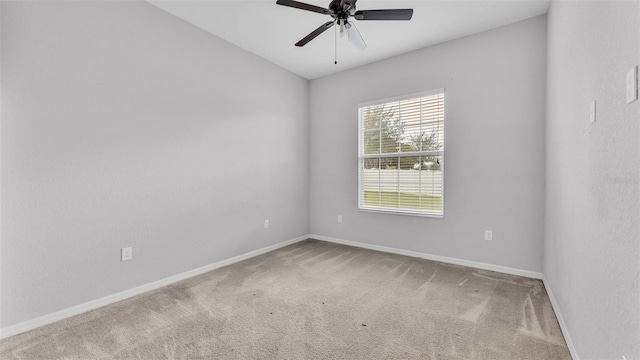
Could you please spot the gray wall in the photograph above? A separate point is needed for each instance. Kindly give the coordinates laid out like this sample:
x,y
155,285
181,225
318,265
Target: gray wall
x,y
592,237
123,125
494,147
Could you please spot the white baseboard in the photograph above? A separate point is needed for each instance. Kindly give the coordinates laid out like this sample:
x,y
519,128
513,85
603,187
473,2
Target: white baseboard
x,y
444,259
94,304
563,325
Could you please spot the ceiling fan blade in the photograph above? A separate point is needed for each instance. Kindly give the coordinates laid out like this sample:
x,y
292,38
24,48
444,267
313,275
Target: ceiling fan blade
x,y
390,14
324,27
354,36
303,6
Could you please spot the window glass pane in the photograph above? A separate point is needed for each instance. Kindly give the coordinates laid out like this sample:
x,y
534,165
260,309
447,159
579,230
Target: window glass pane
x,y
385,119
432,130
429,140
409,188
389,183
411,124
431,183
389,163
373,115
409,162
371,182
371,141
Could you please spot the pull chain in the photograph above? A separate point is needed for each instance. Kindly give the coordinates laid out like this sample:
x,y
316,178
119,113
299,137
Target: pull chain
x,y
335,45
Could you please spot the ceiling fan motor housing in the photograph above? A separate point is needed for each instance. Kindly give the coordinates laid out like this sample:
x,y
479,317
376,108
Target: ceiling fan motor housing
x,y
342,9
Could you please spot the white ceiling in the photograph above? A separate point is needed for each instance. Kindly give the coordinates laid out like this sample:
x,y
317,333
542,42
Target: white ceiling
x,y
270,31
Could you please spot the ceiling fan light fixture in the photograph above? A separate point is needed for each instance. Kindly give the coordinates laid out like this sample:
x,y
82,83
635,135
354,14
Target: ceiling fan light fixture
x,y
354,37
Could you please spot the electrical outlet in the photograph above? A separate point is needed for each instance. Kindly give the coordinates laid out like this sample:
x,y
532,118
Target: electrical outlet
x,y
339,218
126,253
266,224
488,235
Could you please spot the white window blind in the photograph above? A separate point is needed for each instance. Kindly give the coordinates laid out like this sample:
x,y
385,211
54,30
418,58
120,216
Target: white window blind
x,y
401,154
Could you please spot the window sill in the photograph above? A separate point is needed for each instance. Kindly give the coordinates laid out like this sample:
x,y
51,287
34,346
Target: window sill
x,y
399,212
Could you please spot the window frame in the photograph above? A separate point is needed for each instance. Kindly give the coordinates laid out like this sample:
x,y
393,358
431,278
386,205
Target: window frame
x,y
362,157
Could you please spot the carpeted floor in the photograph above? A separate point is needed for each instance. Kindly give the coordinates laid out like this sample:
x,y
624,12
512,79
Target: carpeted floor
x,y
315,300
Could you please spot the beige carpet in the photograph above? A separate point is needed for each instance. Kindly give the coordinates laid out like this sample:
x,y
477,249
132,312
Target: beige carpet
x,y
315,300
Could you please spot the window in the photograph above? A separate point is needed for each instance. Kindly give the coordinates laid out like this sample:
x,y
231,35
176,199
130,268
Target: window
x,y
401,153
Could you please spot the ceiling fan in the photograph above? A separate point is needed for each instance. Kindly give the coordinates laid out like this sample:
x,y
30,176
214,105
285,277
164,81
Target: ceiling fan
x,y
341,11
